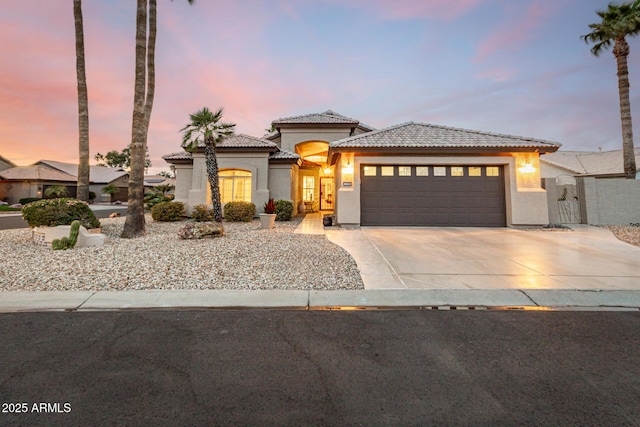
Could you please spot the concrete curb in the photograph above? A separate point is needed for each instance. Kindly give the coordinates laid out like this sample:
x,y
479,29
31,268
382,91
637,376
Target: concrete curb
x,y
313,300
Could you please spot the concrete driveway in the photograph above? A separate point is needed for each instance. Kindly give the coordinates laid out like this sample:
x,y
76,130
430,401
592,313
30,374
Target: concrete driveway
x,y
587,258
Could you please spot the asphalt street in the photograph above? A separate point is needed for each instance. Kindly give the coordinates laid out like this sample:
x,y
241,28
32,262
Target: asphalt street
x,y
278,367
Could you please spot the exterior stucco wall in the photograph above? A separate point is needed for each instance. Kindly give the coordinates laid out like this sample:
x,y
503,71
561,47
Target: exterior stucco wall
x,y
525,205
280,179
256,163
13,191
612,201
552,171
291,137
184,178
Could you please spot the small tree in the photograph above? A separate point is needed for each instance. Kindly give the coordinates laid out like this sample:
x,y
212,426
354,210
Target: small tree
x,y
56,191
111,190
206,129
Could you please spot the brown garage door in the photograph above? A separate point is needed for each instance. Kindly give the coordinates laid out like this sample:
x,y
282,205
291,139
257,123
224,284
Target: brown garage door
x,y
459,196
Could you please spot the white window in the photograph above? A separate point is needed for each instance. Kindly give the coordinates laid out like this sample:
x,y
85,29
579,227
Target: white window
x,y
370,171
404,170
439,171
422,170
493,171
235,186
475,171
457,171
308,188
386,170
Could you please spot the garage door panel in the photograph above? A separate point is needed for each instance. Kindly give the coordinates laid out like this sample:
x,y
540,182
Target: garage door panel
x,y
434,200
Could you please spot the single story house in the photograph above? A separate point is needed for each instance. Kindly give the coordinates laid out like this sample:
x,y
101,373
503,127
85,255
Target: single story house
x,y
32,181
411,174
6,163
590,188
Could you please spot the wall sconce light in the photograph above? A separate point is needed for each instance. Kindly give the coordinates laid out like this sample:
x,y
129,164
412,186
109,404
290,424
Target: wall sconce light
x,y
327,171
527,168
347,170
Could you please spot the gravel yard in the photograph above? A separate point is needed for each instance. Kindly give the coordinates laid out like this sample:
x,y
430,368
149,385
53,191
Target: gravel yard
x,y
627,234
246,257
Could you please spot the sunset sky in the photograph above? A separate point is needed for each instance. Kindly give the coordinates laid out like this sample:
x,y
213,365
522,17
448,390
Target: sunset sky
x,y
514,67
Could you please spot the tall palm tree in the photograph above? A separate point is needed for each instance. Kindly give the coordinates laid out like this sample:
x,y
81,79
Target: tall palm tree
x,y
83,106
144,90
206,129
618,22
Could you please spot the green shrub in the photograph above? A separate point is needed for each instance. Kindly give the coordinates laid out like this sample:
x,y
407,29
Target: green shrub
x,y
52,212
92,196
284,210
29,200
168,211
202,213
239,211
158,194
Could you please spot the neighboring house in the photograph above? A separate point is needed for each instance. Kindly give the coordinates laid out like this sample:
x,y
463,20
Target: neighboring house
x,y
99,177
6,163
409,174
151,181
602,164
32,181
590,188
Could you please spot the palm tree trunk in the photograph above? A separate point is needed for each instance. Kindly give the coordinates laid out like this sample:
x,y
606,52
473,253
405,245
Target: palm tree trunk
x,y
621,51
83,106
134,223
214,182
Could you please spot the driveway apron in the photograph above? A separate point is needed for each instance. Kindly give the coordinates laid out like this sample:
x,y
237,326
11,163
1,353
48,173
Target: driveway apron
x,y
586,258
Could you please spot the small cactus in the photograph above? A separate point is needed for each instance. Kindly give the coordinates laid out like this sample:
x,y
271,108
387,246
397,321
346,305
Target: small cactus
x,y
68,242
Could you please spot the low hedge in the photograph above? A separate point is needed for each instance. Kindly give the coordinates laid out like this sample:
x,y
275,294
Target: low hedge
x,y
239,211
202,213
284,210
53,212
168,211
27,200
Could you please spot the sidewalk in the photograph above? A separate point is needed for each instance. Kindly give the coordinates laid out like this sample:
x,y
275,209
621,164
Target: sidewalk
x,y
440,299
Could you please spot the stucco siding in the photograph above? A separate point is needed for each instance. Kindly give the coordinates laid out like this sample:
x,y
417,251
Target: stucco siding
x,y
291,137
612,201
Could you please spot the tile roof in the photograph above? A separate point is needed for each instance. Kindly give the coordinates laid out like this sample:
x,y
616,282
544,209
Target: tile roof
x,y
590,163
327,117
97,174
36,172
154,180
284,154
423,135
241,141
182,155
565,159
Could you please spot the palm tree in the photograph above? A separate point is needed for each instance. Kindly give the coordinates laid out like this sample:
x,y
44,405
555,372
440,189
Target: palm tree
x,y
144,90
618,22
206,129
83,106
56,191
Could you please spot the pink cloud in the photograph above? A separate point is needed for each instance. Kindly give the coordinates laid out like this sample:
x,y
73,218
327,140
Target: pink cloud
x,y
515,32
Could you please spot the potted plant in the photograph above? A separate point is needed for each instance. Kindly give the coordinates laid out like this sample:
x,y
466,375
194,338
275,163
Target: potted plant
x,y
268,218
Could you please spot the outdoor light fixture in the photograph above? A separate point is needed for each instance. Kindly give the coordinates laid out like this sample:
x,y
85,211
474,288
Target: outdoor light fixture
x,y
347,170
327,171
527,168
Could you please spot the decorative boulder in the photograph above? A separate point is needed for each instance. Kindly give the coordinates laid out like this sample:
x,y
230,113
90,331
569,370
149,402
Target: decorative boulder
x,y
16,206
3,203
45,235
201,230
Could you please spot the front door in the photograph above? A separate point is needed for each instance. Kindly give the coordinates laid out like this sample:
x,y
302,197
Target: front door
x,y
326,194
